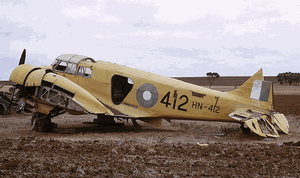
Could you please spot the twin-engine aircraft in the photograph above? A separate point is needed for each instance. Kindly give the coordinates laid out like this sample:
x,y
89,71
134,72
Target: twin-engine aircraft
x,y
79,85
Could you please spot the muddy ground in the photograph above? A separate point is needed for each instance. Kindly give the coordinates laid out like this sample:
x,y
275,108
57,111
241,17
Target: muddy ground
x,y
179,149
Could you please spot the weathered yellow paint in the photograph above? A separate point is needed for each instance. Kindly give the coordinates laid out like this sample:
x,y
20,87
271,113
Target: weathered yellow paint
x,y
242,114
19,74
43,108
281,122
35,78
99,85
82,97
152,97
199,99
267,130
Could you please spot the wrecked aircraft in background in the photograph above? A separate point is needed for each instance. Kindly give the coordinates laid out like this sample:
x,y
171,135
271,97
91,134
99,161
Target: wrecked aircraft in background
x,y
9,104
4,102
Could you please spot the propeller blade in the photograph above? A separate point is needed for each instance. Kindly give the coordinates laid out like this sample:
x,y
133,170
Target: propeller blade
x,y
22,59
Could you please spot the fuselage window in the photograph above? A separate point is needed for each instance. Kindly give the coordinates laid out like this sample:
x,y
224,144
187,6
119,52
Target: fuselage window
x,y
120,87
60,66
71,68
85,72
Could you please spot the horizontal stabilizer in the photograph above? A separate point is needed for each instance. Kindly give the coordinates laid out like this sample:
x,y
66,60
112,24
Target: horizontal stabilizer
x,y
262,127
280,121
261,123
244,114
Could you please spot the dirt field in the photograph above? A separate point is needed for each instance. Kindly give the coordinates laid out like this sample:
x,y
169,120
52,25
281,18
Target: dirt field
x,y
179,149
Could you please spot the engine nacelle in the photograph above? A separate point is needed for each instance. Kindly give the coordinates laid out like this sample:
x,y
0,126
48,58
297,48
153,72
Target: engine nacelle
x,y
49,90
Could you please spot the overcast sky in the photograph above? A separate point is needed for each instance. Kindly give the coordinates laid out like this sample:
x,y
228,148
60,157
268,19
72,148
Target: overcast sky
x,y
170,38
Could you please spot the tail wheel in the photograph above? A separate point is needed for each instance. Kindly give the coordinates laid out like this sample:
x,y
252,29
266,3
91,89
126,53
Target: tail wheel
x,y
41,122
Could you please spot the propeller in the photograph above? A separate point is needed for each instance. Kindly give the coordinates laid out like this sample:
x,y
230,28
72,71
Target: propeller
x,y
23,56
22,61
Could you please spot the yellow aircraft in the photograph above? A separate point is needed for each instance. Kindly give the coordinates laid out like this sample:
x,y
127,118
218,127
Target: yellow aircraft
x,y
79,85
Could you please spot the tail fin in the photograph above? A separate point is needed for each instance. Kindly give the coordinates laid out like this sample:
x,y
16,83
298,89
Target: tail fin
x,y
262,120
258,89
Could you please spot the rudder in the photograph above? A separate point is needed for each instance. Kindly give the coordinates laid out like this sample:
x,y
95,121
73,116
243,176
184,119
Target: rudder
x,y
256,88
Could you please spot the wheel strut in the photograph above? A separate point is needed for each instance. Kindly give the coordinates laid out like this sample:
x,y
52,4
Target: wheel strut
x,y
42,122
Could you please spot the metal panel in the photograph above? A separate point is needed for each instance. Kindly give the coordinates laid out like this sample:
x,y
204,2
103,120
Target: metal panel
x,y
74,58
77,58
19,74
82,97
265,91
260,90
35,78
65,57
256,88
280,121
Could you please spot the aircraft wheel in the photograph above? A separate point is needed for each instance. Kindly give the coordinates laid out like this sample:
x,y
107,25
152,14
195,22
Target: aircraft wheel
x,y
41,122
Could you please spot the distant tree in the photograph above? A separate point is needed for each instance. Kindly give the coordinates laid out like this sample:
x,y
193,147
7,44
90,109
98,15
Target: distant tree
x,y
280,78
289,77
211,77
297,78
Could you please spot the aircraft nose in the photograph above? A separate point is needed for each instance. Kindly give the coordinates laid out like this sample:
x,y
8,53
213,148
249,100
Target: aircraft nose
x,y
51,90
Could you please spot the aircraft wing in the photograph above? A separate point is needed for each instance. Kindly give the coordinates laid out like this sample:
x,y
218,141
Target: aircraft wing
x,y
262,124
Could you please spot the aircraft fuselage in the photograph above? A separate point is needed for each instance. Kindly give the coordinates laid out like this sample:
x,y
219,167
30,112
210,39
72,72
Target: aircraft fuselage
x,y
143,94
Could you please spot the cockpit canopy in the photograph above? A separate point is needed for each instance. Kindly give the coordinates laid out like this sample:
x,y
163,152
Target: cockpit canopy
x,y
68,63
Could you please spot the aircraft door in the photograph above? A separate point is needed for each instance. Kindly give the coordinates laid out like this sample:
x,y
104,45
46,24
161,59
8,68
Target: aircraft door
x,y
120,87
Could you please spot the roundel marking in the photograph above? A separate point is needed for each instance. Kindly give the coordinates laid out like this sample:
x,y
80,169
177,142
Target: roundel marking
x,y
147,95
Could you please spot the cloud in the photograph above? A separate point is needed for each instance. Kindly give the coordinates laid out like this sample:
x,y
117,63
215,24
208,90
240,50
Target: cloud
x,y
93,13
251,26
182,12
165,37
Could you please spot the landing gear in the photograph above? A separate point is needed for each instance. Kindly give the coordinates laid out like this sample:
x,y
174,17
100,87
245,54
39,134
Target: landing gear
x,y
42,122
245,130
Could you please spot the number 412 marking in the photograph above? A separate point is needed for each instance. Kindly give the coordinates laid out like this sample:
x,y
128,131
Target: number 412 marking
x,y
166,100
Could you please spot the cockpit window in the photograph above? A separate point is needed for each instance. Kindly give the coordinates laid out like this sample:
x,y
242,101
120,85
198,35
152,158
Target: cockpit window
x,y
71,68
84,72
68,63
60,66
